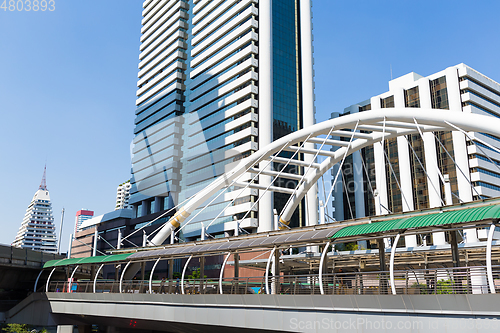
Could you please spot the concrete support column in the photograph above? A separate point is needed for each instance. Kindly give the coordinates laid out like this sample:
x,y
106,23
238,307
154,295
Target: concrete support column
x,y
430,153
431,163
158,201
236,258
454,249
170,276
383,267
143,271
276,272
144,208
380,176
455,256
65,329
405,178
359,194
321,212
265,107
460,147
202,274
459,144
380,189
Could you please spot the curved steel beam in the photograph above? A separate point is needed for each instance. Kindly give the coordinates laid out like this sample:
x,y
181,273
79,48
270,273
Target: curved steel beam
x,y
184,273
489,269
267,269
222,272
321,264
74,271
48,280
122,275
96,275
151,276
71,278
36,281
400,121
391,265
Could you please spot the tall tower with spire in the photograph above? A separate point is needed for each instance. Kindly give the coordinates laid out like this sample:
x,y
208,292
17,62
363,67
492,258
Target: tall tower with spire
x,y
37,231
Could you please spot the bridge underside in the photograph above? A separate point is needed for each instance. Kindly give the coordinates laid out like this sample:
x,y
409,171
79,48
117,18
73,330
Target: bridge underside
x,y
252,313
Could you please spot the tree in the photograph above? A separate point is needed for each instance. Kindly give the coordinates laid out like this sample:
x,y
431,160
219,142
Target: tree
x,y
196,274
22,328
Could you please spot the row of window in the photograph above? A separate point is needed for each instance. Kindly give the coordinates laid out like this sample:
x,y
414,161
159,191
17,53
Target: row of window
x,y
490,186
439,97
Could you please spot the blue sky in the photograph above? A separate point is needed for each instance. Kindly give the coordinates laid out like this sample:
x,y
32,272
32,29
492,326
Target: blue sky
x,y
68,82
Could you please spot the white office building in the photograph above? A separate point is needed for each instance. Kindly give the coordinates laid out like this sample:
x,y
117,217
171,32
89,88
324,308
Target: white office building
x,y
370,185
37,231
217,80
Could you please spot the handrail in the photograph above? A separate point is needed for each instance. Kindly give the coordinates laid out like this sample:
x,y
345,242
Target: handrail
x,y
461,280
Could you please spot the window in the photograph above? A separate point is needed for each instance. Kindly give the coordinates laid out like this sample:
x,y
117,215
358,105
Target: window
x,y
412,98
365,108
139,210
439,93
387,102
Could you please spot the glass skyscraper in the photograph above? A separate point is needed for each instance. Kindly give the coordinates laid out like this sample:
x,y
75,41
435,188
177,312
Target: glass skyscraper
x,y
217,80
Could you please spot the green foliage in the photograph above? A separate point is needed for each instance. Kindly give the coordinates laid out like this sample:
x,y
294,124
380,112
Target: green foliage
x,y
22,328
196,274
422,287
443,287
176,275
351,246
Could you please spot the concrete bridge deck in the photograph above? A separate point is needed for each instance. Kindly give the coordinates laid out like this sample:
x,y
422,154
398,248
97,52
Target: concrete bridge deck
x,y
261,313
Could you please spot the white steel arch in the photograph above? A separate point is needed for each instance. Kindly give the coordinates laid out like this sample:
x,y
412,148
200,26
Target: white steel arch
x,y
363,129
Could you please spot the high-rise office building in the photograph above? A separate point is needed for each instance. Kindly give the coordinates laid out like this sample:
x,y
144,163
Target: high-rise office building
x,y
403,185
37,231
82,215
123,195
217,80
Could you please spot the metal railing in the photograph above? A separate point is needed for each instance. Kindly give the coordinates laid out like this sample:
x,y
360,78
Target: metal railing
x,y
463,280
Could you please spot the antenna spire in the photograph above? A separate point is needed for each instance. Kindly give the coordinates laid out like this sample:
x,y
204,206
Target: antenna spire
x,y
43,184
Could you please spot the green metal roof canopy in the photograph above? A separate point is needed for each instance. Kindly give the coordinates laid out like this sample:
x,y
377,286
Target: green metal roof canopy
x,y
421,221
87,260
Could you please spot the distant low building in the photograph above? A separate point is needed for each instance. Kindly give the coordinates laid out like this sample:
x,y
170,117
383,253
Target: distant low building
x,y
37,231
81,216
123,195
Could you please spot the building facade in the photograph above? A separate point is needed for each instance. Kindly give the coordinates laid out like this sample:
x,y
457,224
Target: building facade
x,y
421,166
82,215
123,195
37,231
218,80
